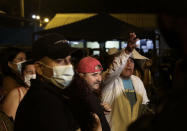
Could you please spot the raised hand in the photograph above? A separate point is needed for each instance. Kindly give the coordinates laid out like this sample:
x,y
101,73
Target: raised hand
x,y
131,43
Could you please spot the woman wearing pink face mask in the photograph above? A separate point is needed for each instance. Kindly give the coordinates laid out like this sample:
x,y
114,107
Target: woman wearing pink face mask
x,y
14,97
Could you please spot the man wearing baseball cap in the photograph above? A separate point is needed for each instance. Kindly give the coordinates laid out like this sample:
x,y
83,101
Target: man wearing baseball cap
x,y
90,69
84,96
45,108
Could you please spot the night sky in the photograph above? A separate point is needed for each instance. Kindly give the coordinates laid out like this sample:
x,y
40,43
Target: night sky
x,y
51,7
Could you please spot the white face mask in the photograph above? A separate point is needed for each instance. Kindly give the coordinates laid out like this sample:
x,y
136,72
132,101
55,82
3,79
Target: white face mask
x,y
63,74
19,66
27,79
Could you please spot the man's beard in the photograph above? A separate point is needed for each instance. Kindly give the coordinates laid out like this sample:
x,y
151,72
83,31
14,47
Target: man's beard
x,y
98,90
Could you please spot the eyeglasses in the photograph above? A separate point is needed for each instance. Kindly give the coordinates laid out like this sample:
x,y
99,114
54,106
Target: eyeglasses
x,y
19,59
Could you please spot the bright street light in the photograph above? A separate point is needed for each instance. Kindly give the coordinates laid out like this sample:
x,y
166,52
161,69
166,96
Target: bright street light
x,y
37,17
34,16
46,20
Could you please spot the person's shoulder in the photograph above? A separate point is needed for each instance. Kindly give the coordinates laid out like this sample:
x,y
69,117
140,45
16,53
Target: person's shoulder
x,y
43,92
14,92
135,77
23,90
12,96
8,79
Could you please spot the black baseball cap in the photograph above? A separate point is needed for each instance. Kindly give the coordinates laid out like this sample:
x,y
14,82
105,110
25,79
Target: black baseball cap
x,y
52,45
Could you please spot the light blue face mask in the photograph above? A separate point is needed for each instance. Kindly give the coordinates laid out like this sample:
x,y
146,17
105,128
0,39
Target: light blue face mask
x,y
19,66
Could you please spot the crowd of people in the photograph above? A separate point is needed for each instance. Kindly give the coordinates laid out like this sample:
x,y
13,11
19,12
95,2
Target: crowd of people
x,y
53,91
58,87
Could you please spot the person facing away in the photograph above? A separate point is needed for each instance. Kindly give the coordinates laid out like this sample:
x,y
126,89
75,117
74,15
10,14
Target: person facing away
x,y
45,105
12,58
85,100
14,97
124,92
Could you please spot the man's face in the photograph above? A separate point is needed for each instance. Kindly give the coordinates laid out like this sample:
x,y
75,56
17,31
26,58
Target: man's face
x,y
129,68
47,65
93,80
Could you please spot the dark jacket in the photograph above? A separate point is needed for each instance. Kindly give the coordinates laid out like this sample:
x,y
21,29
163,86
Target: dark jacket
x,y
84,103
44,108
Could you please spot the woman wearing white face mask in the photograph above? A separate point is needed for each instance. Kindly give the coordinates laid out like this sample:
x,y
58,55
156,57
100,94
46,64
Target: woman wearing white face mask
x,y
28,72
11,64
14,97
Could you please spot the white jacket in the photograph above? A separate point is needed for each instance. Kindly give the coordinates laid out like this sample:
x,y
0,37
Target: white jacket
x,y
114,94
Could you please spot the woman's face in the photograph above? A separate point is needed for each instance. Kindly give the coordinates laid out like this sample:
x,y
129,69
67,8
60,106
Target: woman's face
x,y
29,73
29,70
20,57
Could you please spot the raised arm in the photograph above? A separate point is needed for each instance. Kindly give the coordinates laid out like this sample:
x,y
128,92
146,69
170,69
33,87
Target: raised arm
x,y
119,61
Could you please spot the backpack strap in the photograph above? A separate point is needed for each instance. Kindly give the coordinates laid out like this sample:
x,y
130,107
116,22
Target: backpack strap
x,y
20,92
5,123
4,126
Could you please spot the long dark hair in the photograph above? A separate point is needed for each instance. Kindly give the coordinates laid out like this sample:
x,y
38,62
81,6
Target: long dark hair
x,y
8,55
79,93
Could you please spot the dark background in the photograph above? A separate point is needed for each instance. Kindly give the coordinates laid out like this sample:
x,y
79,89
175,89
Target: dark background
x,y
49,7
